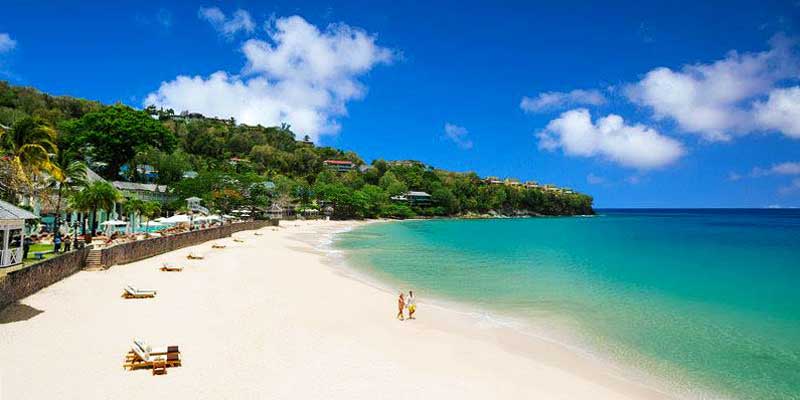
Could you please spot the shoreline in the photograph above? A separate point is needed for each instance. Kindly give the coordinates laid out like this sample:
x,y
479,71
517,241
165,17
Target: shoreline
x,y
268,318
516,331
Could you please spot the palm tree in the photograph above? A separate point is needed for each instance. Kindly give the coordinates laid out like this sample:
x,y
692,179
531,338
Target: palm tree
x,y
65,177
26,150
151,209
98,195
30,143
133,206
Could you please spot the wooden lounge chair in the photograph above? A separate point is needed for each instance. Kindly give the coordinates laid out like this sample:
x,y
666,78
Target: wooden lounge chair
x,y
131,292
159,358
193,256
217,246
167,267
258,234
237,240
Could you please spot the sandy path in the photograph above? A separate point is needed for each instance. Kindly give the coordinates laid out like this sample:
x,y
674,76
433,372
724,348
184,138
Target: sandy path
x,y
268,319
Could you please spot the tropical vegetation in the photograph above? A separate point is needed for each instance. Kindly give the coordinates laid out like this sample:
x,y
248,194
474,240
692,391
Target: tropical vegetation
x,y
233,166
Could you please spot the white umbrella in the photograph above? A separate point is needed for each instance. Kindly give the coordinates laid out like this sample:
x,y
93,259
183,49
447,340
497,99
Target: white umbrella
x,y
114,222
176,219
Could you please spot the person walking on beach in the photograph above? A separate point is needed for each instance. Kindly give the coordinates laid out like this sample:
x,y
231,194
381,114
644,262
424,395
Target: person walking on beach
x,y
67,244
26,246
411,304
56,243
401,304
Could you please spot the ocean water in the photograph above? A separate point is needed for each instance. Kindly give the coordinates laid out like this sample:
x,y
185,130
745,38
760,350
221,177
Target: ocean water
x,y
706,300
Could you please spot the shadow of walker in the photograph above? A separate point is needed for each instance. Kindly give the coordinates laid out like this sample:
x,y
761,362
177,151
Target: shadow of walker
x,y
18,312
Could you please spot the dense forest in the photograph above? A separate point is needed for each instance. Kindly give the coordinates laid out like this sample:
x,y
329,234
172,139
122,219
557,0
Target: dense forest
x,y
231,163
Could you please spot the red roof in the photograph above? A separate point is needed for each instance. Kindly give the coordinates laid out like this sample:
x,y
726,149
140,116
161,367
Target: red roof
x,y
338,162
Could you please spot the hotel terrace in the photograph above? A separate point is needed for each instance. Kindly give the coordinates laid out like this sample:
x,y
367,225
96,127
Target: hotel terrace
x,y
339,165
493,180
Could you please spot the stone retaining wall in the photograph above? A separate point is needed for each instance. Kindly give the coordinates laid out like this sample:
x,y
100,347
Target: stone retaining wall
x,y
141,249
25,282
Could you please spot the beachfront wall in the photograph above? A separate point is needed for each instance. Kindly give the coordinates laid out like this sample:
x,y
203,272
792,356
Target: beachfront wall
x,y
133,251
25,282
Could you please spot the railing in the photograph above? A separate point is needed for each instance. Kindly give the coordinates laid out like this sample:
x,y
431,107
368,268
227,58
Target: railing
x,y
196,208
10,257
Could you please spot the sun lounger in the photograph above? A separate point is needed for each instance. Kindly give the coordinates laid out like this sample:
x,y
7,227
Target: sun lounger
x,y
217,246
193,256
142,355
258,234
167,267
237,240
134,293
156,351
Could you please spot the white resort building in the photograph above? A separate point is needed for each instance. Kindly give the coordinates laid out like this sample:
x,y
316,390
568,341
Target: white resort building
x,y
144,191
339,165
12,232
413,198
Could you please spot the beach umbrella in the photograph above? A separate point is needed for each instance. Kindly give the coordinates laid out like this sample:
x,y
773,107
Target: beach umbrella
x,y
114,222
176,219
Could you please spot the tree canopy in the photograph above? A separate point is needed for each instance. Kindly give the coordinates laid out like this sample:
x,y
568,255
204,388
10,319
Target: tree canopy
x,y
112,136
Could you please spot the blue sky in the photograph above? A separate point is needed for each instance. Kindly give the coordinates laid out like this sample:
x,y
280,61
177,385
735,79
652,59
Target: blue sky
x,y
663,105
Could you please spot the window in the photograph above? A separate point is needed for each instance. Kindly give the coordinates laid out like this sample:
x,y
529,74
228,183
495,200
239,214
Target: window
x,y
2,239
15,238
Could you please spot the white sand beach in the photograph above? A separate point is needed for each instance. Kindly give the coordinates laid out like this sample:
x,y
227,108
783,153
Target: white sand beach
x,y
268,319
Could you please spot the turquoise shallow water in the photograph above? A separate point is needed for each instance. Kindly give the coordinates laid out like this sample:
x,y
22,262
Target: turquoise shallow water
x,y
706,299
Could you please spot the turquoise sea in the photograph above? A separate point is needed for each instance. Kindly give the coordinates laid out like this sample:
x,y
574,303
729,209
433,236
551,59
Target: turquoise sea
x,y
706,300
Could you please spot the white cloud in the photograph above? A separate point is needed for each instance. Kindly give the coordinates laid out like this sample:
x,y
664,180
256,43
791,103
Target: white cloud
x,y
786,168
781,112
634,179
299,75
630,145
717,100
793,186
240,21
6,43
458,134
554,100
593,179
